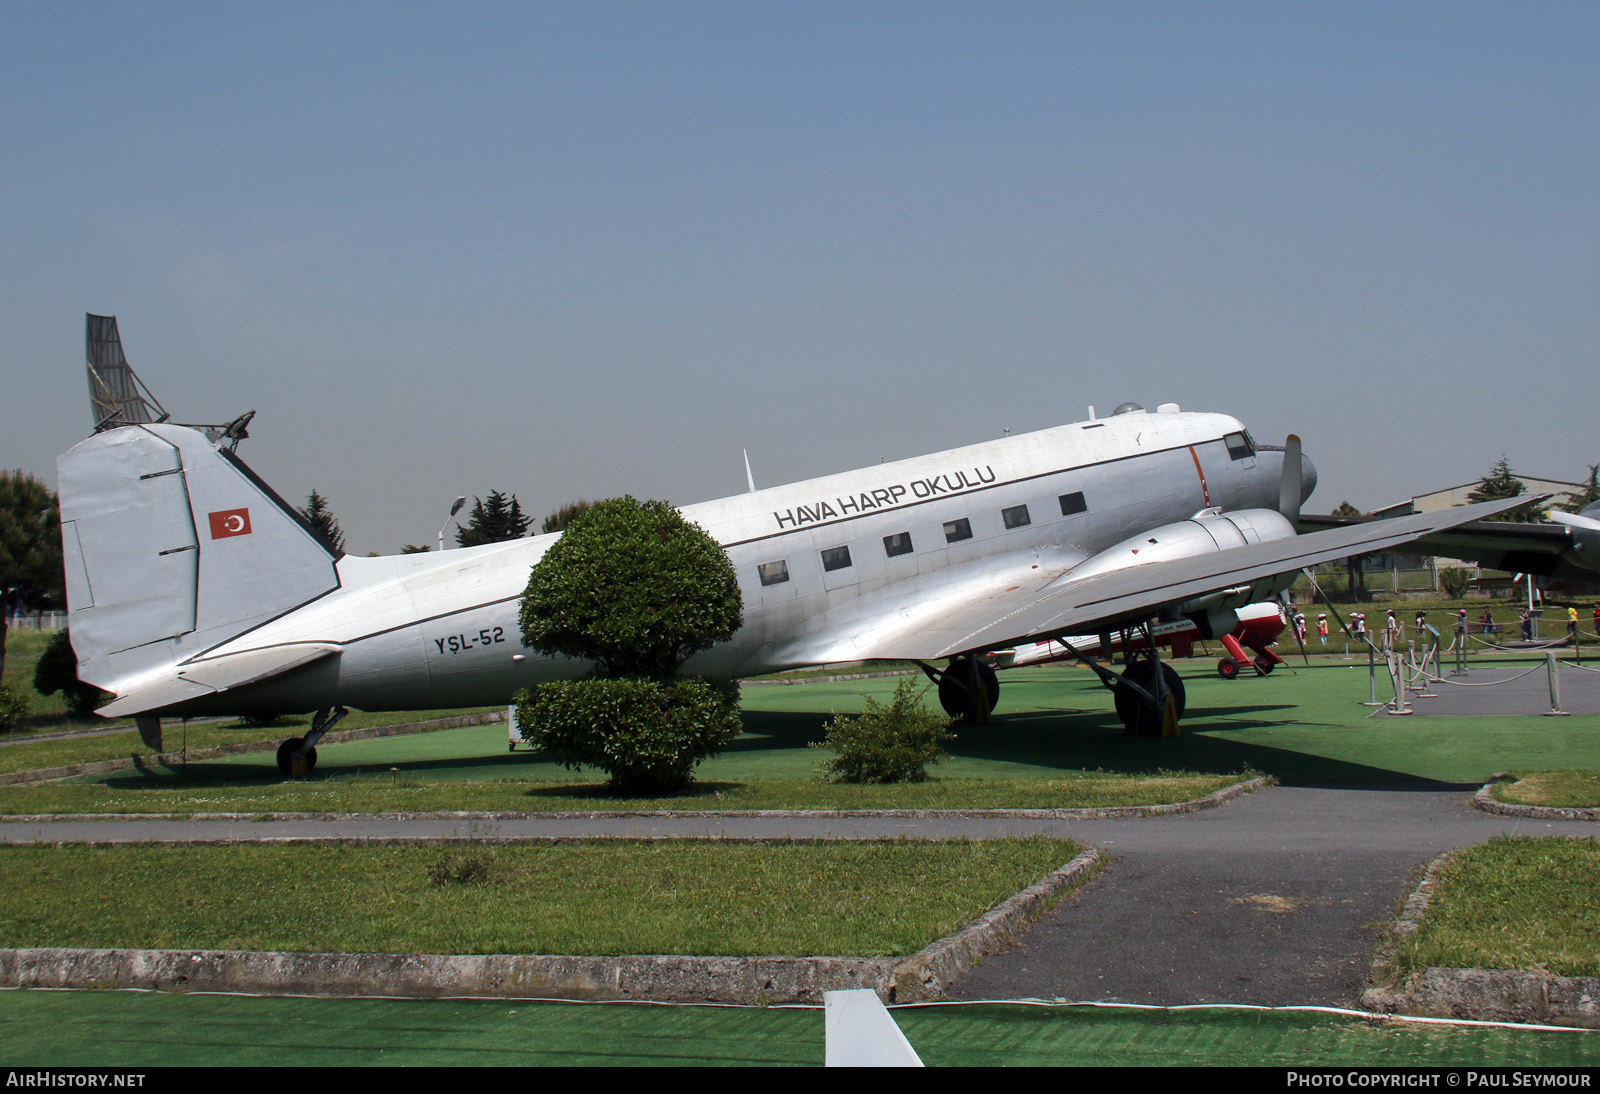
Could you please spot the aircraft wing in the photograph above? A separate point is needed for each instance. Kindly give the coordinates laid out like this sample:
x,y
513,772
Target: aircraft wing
x,y
989,618
1499,545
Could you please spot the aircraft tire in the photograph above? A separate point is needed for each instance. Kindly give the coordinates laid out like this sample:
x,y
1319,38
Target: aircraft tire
x,y
1263,666
954,697
286,753
1139,718
1228,668
286,757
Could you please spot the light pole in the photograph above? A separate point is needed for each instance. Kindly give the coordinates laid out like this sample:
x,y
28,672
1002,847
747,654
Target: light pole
x,y
454,509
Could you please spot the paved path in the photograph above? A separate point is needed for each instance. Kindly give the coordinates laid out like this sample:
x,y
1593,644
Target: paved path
x,y
1511,689
1272,899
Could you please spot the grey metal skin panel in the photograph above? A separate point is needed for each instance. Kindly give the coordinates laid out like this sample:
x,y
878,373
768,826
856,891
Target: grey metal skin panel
x,y
178,551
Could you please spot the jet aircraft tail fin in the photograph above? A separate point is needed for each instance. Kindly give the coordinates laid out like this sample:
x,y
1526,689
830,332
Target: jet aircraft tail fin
x,y
173,546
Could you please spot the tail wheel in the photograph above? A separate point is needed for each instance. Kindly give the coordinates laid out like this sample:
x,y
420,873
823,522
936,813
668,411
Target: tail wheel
x,y
291,763
1228,668
955,690
1139,716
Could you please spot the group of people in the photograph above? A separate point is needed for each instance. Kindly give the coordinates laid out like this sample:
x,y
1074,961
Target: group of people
x,y
1394,631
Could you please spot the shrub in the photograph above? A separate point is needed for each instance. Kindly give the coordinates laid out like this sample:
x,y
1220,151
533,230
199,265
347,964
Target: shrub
x,y
646,734
638,590
634,587
1455,580
13,708
886,744
57,670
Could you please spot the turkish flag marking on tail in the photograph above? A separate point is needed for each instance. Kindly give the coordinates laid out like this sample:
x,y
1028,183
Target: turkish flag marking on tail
x,y
230,522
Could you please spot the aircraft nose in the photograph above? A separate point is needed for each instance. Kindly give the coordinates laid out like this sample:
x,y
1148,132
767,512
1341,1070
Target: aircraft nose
x,y
1308,476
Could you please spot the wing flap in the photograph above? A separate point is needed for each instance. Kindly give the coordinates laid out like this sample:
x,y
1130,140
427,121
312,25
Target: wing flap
x,y
214,675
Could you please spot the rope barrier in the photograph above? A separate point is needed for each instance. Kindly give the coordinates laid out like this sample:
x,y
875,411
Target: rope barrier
x,y
1491,683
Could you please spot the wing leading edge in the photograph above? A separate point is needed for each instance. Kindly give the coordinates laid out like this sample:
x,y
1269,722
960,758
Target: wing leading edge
x,y
989,619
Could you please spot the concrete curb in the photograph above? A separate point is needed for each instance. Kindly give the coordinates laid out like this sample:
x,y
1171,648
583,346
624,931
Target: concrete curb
x,y
1485,801
174,759
1109,812
661,978
928,974
1489,995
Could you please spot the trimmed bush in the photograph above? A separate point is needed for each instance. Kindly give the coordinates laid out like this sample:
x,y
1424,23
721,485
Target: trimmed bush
x,y
638,590
57,670
886,744
633,587
646,734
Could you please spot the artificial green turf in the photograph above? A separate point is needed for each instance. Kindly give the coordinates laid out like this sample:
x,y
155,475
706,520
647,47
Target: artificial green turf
x,y
1305,725
134,1030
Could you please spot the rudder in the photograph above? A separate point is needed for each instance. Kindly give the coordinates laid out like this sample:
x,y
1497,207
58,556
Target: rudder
x,y
172,545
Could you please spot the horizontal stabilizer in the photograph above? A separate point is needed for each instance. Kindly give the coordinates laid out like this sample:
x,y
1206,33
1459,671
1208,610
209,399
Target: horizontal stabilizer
x,y
217,674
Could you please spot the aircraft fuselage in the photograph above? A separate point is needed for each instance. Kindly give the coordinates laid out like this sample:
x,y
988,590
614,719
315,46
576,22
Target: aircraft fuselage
x,y
824,565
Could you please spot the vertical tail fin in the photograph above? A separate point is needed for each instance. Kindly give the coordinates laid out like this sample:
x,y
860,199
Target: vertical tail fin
x,y
172,546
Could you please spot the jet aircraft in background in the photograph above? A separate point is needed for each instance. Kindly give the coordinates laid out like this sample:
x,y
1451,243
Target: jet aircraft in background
x,y
193,588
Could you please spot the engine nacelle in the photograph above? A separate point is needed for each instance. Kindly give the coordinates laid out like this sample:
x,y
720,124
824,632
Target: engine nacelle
x,y
1205,533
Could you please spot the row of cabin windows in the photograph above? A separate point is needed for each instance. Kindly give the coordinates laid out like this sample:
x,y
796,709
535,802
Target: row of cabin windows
x,y
838,558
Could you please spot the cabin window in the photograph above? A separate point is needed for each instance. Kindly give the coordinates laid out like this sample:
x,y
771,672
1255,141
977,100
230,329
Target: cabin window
x,y
836,558
1073,503
897,544
774,573
1016,516
956,530
1239,445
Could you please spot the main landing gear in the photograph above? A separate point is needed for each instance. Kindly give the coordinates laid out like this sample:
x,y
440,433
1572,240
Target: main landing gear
x,y
969,688
1148,694
297,756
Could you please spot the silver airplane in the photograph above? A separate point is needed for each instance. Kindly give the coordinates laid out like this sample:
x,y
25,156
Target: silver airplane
x,y
192,588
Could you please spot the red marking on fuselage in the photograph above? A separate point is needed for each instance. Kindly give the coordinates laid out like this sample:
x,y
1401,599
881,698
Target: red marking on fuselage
x,y
1205,490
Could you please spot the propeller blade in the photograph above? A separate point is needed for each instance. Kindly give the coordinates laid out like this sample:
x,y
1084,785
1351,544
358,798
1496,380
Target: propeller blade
x,y
1575,520
1289,483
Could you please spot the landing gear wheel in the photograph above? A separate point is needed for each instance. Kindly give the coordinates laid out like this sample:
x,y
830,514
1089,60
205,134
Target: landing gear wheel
x,y
1263,666
291,763
1139,717
1228,668
956,695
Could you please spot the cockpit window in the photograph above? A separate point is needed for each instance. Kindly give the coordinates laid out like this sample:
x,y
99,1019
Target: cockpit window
x,y
1240,446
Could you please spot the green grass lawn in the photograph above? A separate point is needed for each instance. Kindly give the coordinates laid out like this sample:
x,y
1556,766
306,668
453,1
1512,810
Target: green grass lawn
x,y
1564,789
1514,903
609,897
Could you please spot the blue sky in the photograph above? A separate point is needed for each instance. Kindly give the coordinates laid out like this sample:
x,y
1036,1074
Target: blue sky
x,y
575,250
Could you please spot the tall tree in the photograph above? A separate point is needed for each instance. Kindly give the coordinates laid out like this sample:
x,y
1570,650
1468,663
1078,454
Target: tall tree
x,y
562,517
1587,496
319,514
1501,482
31,577
413,549
494,521
1352,565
